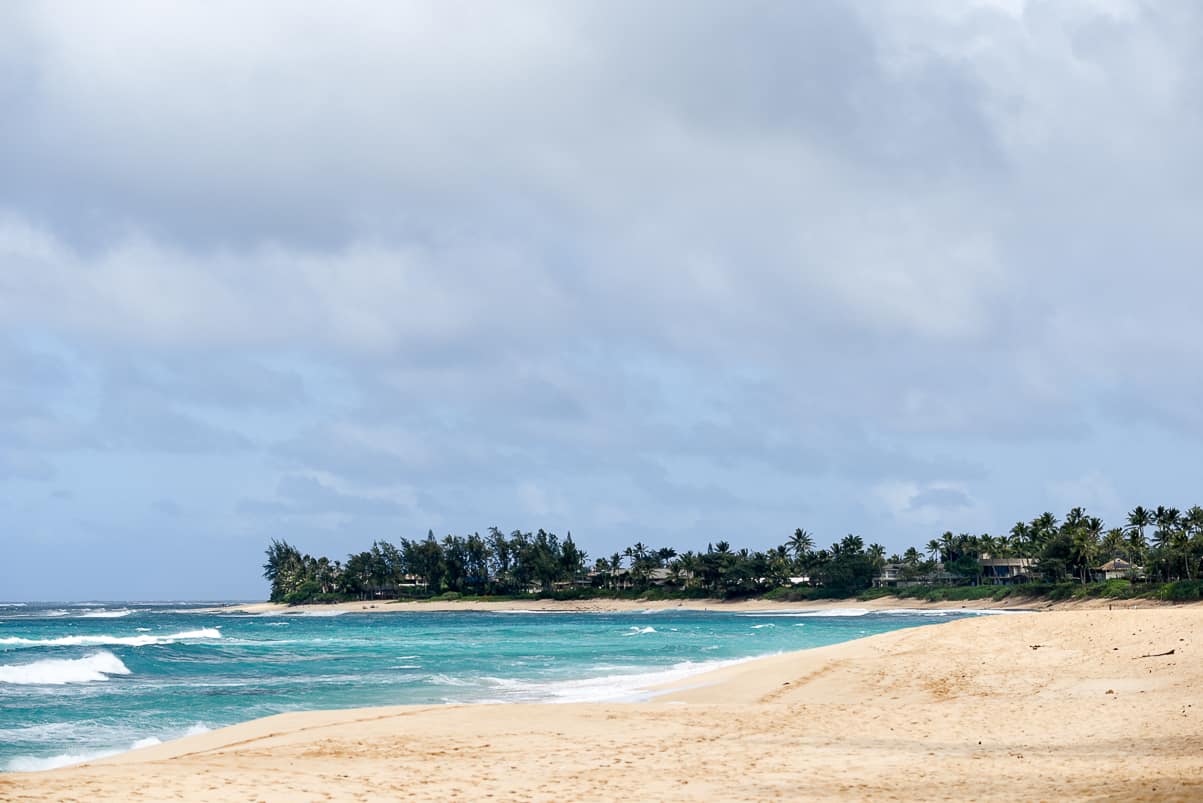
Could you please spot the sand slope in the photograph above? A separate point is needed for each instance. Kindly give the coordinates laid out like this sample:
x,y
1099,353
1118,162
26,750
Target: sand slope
x,y
1048,706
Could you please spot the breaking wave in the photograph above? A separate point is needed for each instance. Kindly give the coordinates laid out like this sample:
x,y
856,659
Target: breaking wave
x,y
58,671
115,641
105,614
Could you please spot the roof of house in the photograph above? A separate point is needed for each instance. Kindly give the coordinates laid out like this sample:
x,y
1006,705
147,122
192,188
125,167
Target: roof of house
x,y
1115,565
1006,561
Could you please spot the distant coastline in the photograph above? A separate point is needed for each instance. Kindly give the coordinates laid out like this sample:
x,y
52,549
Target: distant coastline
x,y
1013,603
1078,557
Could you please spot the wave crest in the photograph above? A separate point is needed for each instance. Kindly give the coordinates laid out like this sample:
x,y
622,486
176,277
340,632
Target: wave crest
x,y
106,614
58,671
105,640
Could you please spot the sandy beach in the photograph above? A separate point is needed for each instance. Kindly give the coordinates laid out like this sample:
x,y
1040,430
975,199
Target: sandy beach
x,y
737,606
1069,704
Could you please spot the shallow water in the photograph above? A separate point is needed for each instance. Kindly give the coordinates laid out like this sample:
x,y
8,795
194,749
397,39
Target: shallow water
x,y
78,681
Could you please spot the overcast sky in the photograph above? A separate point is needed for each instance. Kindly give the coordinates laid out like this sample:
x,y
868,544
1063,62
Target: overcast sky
x,y
671,272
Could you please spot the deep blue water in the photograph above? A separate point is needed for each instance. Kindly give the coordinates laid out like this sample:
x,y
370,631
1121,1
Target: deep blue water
x,y
80,680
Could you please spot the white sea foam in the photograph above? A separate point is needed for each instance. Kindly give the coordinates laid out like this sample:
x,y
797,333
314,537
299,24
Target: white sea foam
x,y
757,627
313,613
840,612
991,612
640,631
532,610
447,680
833,612
106,614
407,666
58,671
42,763
607,688
107,640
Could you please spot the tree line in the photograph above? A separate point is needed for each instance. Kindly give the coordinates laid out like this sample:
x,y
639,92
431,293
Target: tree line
x,y
1165,542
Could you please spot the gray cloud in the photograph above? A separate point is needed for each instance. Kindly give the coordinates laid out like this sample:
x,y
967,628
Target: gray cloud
x,y
298,495
941,498
680,270
21,466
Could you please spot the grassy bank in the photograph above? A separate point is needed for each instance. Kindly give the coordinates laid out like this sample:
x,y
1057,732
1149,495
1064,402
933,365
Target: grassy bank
x,y
1181,591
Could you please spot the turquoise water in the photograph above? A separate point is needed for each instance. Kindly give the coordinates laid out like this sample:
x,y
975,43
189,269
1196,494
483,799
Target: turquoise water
x,y
79,681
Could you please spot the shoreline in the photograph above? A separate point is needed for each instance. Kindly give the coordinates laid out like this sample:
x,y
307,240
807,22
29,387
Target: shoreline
x,y
993,707
712,606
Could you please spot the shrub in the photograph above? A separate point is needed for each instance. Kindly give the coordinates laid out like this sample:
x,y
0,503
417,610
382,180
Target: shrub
x,y
1182,591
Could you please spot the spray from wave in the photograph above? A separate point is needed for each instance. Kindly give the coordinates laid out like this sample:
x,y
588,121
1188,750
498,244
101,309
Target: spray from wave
x,y
58,671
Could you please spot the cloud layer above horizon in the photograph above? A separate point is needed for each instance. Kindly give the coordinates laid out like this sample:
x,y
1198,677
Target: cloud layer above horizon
x,y
673,272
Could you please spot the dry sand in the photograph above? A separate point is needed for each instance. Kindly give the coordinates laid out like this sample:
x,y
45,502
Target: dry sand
x,y
1053,706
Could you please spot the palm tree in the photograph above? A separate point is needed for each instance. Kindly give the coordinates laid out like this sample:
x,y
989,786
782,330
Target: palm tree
x,y
877,556
615,569
933,549
1083,548
1094,526
1167,519
801,543
1113,543
1192,525
1137,546
1021,539
947,544
1180,546
1043,526
1138,519
1193,520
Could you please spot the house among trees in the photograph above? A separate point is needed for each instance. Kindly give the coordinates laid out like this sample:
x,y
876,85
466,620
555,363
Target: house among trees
x,y
1007,571
907,575
1117,569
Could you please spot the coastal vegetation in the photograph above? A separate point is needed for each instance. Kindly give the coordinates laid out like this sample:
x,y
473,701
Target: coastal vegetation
x,y
1154,553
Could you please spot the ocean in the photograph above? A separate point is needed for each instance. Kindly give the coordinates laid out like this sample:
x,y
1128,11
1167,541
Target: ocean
x,y
83,680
